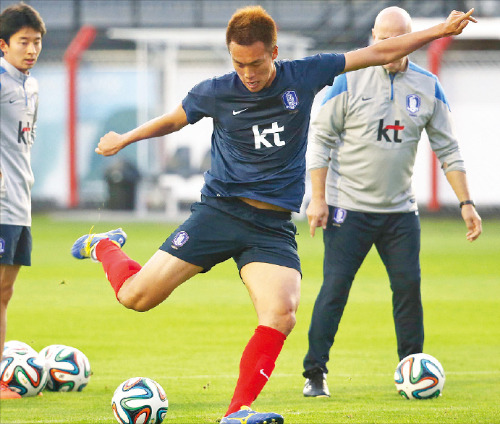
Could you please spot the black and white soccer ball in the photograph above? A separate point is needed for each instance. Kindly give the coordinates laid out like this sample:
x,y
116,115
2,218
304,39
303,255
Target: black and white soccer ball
x,y
419,376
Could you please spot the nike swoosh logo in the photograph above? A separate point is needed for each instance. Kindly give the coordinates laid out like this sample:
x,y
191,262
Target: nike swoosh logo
x,y
365,98
12,101
264,374
236,112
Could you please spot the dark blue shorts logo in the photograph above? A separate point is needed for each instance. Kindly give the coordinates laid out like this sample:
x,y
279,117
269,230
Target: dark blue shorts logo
x,y
290,99
180,239
339,215
2,246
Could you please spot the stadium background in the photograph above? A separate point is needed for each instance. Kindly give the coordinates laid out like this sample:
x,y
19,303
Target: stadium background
x,y
147,54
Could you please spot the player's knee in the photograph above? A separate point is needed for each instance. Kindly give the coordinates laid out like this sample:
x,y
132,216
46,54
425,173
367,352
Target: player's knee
x,y
290,322
284,321
6,293
134,300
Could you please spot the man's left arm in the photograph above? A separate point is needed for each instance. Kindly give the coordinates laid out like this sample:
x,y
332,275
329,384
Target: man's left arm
x,y
445,145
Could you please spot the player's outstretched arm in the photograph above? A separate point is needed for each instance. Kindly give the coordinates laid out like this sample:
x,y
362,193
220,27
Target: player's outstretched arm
x,y
112,142
394,48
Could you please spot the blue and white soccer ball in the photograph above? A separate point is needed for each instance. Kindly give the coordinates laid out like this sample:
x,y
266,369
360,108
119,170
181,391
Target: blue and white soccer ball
x,y
68,369
23,371
419,376
139,400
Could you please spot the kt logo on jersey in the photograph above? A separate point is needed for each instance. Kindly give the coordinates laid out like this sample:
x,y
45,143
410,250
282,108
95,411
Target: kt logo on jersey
x,y
389,132
260,137
24,133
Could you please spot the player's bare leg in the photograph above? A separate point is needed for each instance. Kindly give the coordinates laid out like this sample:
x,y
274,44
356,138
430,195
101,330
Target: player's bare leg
x,y
8,275
156,280
275,293
137,287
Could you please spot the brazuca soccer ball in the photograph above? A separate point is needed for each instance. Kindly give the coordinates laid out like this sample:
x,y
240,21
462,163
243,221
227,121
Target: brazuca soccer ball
x,y
23,371
12,345
419,376
139,400
68,369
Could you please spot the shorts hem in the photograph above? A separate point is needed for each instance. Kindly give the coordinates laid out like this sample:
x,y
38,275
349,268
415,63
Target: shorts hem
x,y
290,265
176,254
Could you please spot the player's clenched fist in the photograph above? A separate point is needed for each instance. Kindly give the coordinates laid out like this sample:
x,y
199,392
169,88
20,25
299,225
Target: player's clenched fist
x,y
110,144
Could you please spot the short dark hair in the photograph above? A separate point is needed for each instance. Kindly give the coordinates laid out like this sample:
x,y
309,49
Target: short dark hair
x,y
19,16
251,24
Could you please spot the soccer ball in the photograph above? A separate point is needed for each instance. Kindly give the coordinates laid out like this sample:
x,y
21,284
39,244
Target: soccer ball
x,y
13,345
139,400
68,369
419,376
23,371
48,350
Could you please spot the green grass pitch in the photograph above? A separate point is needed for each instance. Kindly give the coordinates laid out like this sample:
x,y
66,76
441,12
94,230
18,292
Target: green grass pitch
x,y
191,344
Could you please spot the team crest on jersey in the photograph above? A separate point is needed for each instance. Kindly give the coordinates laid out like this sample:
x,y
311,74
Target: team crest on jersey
x,y
413,103
2,246
180,239
339,215
290,99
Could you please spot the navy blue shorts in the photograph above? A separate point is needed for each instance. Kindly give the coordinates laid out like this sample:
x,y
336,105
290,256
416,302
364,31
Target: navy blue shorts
x,y
15,245
222,228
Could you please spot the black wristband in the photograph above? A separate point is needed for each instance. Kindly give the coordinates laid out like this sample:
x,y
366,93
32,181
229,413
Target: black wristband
x,y
467,202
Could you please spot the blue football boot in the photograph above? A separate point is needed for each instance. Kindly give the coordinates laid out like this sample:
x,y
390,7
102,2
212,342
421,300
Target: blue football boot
x,y
246,416
84,246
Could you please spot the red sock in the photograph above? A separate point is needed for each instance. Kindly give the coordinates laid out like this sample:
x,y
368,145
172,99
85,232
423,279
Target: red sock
x,y
256,365
117,265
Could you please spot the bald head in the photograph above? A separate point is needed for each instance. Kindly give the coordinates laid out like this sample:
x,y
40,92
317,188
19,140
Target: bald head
x,y
391,22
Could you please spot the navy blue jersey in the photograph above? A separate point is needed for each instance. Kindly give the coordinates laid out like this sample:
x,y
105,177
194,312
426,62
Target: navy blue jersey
x,y
259,139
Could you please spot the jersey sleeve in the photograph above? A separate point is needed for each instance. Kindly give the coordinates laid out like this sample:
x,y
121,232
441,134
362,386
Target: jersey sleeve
x,y
323,68
328,125
199,102
441,136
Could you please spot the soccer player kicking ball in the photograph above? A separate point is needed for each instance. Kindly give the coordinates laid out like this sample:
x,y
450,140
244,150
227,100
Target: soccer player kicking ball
x,y
260,114
21,32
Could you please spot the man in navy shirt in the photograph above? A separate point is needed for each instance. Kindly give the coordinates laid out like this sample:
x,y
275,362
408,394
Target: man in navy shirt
x,y
260,115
